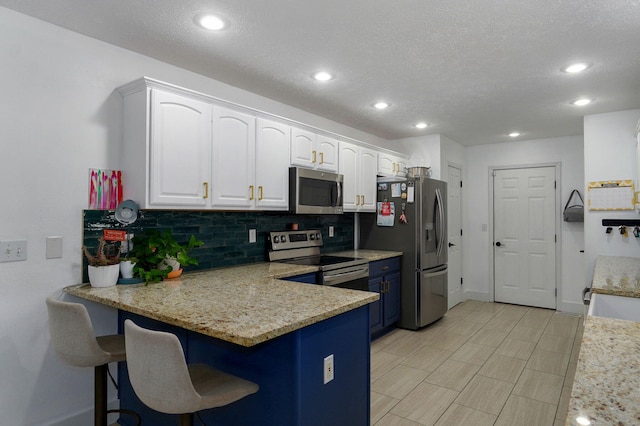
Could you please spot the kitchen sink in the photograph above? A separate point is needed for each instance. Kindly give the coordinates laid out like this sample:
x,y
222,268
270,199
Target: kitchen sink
x,y
618,307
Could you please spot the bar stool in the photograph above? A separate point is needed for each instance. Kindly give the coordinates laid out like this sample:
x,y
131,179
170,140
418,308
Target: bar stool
x,y
163,381
76,344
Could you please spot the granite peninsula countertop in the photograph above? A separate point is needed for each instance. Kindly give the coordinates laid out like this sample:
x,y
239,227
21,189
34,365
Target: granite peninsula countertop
x,y
245,305
606,387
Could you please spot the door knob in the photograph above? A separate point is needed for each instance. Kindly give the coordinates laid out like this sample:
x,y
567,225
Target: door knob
x,y
498,244
451,245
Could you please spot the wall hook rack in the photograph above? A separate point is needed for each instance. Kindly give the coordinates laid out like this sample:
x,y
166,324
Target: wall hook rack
x,y
623,225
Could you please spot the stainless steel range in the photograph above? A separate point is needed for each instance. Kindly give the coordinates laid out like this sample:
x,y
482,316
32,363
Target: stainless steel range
x,y
303,248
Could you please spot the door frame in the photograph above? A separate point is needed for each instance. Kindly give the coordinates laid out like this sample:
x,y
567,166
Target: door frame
x,y
462,222
557,165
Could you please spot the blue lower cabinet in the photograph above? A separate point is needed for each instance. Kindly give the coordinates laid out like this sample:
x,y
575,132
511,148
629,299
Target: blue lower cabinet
x,y
288,369
310,278
384,278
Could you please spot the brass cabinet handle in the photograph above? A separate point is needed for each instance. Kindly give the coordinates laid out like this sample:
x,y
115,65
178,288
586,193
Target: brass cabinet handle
x,y
384,268
394,167
251,189
357,200
322,158
206,190
260,192
362,200
314,156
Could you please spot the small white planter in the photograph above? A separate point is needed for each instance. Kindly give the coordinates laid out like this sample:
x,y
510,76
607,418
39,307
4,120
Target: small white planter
x,y
104,276
126,269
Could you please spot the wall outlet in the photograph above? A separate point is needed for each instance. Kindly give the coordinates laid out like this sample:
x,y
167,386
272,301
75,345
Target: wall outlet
x,y
252,235
328,369
331,232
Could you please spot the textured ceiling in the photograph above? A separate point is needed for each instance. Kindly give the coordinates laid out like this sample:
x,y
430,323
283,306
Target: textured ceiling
x,y
474,70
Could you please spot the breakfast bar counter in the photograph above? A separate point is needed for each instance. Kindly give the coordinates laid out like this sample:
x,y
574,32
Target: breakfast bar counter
x,y
247,321
245,305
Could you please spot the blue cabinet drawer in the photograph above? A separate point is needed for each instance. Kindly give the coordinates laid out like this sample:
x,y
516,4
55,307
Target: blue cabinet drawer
x,y
385,266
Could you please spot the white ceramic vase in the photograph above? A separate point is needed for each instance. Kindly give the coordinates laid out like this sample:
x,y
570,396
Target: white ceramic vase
x,y
126,269
104,276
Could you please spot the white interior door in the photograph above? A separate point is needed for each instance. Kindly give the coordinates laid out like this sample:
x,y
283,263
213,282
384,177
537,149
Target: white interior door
x,y
525,237
454,220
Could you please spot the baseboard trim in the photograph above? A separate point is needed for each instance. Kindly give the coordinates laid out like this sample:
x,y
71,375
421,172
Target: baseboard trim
x,y
85,417
477,295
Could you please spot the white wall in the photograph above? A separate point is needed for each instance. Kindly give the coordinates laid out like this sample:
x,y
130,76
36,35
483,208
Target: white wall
x,y
478,242
609,154
424,151
59,116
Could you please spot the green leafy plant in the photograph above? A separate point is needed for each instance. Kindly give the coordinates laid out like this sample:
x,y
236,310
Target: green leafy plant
x,y
106,254
152,247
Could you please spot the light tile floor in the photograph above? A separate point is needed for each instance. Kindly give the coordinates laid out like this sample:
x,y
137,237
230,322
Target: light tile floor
x,y
482,364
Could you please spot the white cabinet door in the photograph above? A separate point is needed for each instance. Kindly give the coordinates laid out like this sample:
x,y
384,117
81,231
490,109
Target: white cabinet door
x,y
367,184
273,141
390,165
358,165
313,151
233,159
180,138
303,148
327,153
349,169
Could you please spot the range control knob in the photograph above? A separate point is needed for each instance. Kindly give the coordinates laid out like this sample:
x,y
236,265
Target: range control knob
x,y
283,238
312,237
318,236
276,239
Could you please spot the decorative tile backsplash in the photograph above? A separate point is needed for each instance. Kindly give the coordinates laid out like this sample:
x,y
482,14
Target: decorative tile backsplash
x,y
225,234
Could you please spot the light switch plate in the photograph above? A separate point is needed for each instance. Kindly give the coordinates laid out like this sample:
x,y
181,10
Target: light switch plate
x,y
252,235
13,250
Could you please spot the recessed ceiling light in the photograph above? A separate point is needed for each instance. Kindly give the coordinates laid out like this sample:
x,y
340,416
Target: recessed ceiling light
x,y
514,134
582,102
322,76
210,22
381,105
575,68
422,125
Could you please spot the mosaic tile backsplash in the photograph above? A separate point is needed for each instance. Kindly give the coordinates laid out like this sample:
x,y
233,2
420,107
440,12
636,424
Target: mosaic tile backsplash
x,y
225,234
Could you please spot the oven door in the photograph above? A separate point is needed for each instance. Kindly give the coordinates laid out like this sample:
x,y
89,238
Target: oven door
x,y
352,277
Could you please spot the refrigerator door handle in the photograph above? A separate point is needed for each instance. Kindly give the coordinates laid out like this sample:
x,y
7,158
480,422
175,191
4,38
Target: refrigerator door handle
x,y
440,230
439,272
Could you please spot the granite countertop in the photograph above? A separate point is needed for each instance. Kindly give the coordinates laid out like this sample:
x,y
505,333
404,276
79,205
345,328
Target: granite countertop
x,y
616,275
245,305
606,387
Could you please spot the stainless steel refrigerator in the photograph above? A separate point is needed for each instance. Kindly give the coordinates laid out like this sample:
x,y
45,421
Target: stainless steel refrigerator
x,y
411,217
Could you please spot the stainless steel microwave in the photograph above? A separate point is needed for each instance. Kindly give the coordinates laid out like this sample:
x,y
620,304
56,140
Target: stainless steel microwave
x,y
314,191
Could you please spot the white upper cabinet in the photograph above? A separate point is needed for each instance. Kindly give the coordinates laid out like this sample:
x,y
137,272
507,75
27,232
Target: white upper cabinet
x,y
233,159
359,167
166,151
273,141
313,151
187,150
391,165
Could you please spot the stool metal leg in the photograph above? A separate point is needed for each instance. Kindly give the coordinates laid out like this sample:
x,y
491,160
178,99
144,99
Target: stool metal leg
x,y
100,395
186,420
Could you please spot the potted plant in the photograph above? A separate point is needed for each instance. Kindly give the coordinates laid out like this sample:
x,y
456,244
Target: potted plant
x,y
158,253
103,269
127,262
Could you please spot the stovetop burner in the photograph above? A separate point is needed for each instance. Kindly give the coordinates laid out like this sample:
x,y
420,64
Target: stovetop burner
x,y
303,248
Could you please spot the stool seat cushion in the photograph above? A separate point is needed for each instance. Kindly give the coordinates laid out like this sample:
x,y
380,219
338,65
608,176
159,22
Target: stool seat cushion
x,y
217,388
